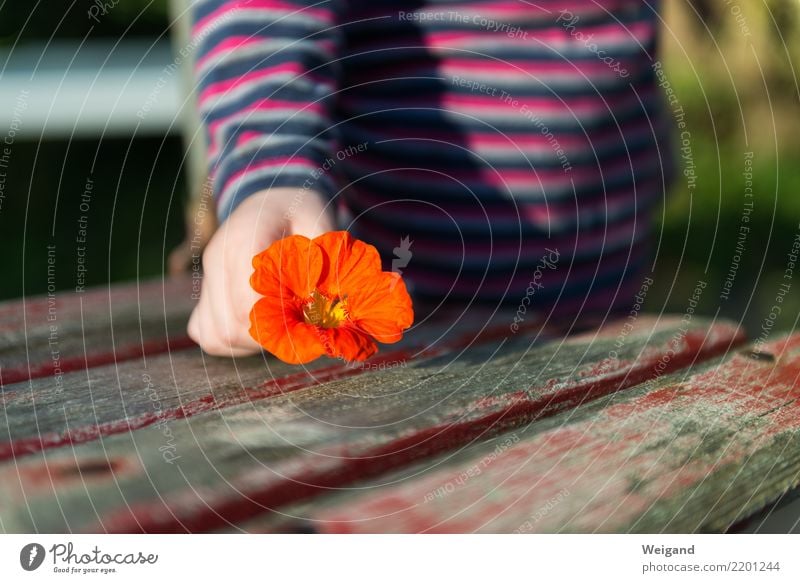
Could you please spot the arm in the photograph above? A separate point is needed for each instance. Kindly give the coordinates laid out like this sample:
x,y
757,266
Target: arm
x,y
265,81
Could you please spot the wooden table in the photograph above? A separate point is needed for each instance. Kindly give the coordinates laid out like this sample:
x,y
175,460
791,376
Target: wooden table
x,y
113,421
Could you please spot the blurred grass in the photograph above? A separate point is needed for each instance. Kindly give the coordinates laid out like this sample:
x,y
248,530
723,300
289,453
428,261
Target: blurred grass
x,y
22,22
732,67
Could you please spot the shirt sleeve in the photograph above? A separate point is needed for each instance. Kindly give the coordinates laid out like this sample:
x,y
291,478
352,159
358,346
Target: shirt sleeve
x,y
266,75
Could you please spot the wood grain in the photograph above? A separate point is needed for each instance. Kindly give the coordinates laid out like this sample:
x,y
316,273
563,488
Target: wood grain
x,y
142,391
49,336
685,453
220,467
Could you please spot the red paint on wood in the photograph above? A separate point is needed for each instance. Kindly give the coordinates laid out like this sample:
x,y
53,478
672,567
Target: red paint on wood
x,y
175,514
67,303
30,320
271,388
739,388
81,362
204,404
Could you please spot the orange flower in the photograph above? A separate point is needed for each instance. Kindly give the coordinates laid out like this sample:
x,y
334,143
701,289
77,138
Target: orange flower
x,y
326,296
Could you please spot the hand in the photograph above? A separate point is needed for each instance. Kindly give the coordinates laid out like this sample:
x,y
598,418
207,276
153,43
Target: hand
x,y
221,319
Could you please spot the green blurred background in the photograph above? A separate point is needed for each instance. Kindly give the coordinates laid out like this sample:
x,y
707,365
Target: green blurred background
x,y
732,66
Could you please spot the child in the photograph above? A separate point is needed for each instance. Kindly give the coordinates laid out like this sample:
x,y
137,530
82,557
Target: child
x,y
495,152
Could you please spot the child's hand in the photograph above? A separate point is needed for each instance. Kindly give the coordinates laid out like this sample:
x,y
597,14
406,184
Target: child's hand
x,y
221,319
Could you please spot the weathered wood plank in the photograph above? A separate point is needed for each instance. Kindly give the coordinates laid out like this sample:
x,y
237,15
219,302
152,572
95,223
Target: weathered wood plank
x,y
227,465
106,400
138,392
36,313
48,336
683,453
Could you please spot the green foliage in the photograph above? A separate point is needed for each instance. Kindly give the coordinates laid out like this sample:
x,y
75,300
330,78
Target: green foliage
x,y
39,21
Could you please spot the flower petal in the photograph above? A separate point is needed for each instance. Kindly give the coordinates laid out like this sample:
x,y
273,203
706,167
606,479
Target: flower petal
x,y
277,325
291,266
381,307
349,344
350,262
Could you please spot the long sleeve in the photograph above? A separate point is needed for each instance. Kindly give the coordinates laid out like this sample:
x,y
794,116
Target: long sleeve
x,y
266,77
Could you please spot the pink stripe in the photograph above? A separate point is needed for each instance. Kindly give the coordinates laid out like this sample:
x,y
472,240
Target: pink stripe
x,y
253,5
537,212
272,163
437,282
367,164
521,71
518,10
229,45
606,33
567,106
227,85
234,43
267,105
495,72
485,143
245,137
488,140
481,249
537,105
602,35
260,105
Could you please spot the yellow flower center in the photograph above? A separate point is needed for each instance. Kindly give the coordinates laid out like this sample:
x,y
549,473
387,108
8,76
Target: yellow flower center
x,y
323,311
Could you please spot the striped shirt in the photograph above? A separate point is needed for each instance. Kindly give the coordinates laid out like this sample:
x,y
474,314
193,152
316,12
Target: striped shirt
x,y
491,150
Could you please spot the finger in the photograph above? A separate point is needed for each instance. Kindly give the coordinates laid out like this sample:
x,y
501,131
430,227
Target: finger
x,y
179,259
211,340
229,305
203,327
193,327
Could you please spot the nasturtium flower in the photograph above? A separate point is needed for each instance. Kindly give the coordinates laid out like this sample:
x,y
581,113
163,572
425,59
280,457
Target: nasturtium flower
x,y
326,295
